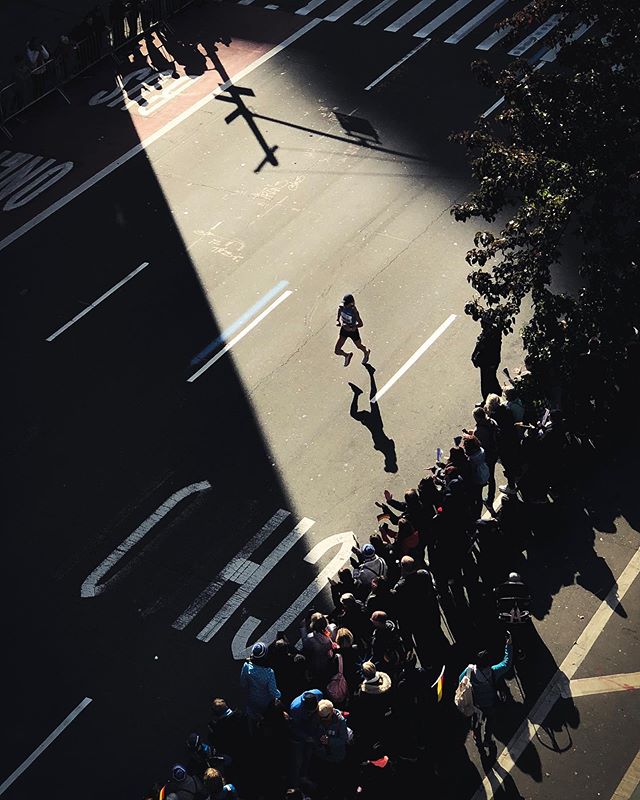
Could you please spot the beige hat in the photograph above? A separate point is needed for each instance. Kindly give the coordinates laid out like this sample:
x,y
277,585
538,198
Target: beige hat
x,y
375,682
325,708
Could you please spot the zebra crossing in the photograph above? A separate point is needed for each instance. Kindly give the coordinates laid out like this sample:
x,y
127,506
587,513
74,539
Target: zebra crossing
x,y
472,22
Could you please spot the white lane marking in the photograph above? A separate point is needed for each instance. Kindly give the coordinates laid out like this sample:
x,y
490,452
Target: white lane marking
x,y
500,100
558,684
493,38
230,571
245,2
90,586
240,336
411,361
540,31
342,10
231,329
630,781
252,575
396,65
365,19
603,684
118,162
311,6
443,17
42,747
239,645
474,22
98,301
409,15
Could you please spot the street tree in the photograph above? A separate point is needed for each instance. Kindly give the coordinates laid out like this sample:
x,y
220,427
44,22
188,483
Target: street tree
x,y
560,162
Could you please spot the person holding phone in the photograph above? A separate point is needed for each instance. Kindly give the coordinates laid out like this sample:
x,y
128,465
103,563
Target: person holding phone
x,y
484,678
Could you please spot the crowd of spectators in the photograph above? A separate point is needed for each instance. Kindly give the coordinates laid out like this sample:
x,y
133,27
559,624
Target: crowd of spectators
x,y
359,702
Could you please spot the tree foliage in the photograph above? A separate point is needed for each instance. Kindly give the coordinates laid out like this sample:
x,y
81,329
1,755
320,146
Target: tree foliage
x,y
561,159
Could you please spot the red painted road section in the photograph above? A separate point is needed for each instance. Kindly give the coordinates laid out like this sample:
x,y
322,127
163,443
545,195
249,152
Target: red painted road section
x,y
57,146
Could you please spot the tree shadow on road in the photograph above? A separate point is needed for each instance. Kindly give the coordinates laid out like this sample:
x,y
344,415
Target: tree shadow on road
x,y
372,420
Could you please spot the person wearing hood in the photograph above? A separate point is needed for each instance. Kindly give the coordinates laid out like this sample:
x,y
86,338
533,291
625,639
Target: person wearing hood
x,y
484,678
371,706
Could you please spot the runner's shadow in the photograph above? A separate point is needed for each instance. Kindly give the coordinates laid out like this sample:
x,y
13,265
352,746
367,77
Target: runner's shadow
x,y
372,420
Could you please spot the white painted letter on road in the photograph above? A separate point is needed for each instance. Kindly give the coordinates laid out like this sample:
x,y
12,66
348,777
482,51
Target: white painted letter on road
x,y
90,587
240,647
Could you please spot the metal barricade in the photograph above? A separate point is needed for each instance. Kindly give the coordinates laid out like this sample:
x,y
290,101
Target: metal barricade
x,y
72,58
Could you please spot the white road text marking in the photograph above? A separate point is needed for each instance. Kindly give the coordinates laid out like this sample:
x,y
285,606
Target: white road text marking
x,y
90,586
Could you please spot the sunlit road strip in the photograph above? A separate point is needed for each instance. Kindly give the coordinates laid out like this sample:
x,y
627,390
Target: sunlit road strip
x,y
235,326
143,145
420,351
396,65
559,686
240,336
41,748
97,302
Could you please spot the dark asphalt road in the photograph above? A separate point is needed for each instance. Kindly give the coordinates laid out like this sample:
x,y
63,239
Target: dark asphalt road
x,y
103,427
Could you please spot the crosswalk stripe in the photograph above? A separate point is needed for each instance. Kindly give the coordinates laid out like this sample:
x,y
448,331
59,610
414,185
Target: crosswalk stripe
x,y
412,13
311,6
365,19
494,38
475,22
342,10
534,37
552,52
435,23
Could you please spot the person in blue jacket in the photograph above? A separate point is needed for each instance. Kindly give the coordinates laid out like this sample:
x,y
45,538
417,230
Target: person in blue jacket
x,y
484,677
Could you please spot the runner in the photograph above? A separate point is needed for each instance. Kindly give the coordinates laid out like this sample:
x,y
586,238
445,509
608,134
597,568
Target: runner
x,y
349,321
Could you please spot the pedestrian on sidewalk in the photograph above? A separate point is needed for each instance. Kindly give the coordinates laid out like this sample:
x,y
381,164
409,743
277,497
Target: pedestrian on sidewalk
x,y
349,322
486,356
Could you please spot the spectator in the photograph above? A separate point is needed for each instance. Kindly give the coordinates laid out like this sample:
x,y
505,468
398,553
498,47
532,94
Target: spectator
x,y
331,743
351,614
343,585
66,57
305,729
352,657
317,646
216,787
371,706
486,356
228,732
381,598
487,433
418,609
185,786
259,683
508,441
37,57
387,647
483,677
371,566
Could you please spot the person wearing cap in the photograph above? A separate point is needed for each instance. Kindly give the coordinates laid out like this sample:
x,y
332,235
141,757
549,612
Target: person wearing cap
x,y
371,566
185,786
258,680
304,730
349,322
333,734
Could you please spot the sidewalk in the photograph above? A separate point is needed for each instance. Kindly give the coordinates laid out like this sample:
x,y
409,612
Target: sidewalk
x,y
22,19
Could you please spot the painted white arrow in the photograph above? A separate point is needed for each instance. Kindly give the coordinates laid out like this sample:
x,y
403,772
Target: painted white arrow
x,y
90,586
240,647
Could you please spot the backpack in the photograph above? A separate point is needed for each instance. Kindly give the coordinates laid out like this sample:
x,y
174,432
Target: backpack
x,y
463,698
337,689
482,473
